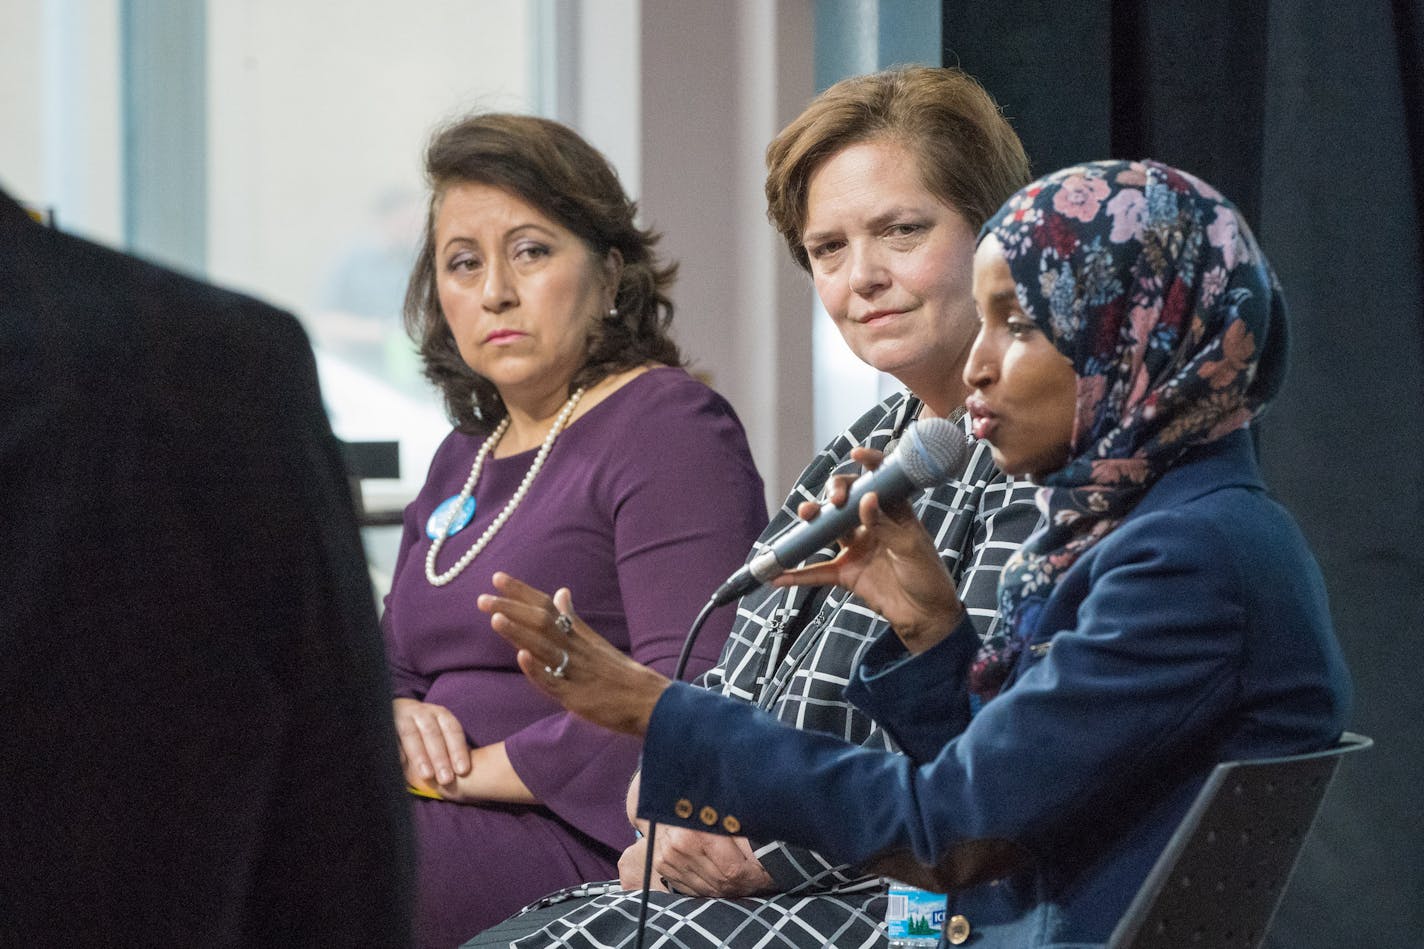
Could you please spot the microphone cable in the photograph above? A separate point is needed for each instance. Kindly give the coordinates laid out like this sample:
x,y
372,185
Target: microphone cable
x,y
677,672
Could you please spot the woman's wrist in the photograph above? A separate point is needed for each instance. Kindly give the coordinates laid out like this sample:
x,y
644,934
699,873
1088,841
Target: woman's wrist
x,y
931,630
642,699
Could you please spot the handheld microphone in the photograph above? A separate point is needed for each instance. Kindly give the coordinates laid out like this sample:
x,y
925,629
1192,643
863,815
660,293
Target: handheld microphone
x,y
929,452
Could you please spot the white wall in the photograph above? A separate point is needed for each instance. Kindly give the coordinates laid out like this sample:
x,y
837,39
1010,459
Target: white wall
x,y
715,83
609,68
719,81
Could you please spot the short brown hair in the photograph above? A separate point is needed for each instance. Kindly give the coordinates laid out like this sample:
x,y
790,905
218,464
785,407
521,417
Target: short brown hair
x,y
550,167
969,157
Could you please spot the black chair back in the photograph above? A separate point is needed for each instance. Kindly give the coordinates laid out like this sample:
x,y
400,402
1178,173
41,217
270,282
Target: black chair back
x,y
1221,876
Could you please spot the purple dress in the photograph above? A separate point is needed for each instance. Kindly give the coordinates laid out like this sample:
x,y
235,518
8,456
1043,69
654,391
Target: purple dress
x,y
644,505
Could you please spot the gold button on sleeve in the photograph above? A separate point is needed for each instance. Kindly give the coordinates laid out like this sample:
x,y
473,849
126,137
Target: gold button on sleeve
x,y
708,816
731,825
683,808
957,932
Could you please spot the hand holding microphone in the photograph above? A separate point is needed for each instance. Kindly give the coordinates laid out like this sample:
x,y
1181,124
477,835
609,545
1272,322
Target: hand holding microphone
x,y
889,560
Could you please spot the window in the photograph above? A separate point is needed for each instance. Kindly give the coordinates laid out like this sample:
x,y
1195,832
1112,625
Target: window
x,y
317,118
300,128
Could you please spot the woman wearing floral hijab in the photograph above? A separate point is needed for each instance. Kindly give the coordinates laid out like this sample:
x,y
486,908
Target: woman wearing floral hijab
x,y
1150,284
1167,617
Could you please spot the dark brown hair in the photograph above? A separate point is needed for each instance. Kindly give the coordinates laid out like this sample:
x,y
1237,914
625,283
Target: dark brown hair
x,y
968,155
550,167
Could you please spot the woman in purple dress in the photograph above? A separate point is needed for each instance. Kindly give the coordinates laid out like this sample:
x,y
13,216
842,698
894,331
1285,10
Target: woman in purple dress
x,y
579,458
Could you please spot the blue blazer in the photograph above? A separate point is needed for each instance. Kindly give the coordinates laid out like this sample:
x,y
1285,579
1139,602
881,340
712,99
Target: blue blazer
x,y
1194,633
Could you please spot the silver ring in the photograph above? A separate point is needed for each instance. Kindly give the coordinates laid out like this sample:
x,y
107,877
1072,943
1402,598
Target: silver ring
x,y
557,672
564,623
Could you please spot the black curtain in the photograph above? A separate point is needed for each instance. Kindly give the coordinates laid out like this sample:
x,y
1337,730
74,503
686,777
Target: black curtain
x,y
1310,115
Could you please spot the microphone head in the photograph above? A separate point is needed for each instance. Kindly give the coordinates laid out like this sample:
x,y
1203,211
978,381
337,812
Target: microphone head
x,y
932,451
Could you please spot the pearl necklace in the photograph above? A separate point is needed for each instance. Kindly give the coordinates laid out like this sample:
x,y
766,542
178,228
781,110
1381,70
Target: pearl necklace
x,y
440,579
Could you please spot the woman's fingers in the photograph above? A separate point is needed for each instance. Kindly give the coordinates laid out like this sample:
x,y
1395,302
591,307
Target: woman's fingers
x,y
837,490
706,864
534,612
520,591
524,630
457,747
893,525
522,602
414,757
564,603
631,864
868,458
432,741
808,510
533,668
820,574
531,619
569,661
870,511
433,734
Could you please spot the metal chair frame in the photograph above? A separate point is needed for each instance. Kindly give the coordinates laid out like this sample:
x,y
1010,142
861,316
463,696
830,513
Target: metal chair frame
x,y
1221,877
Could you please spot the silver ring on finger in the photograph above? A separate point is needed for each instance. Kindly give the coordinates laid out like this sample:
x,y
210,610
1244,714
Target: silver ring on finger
x,y
564,623
557,672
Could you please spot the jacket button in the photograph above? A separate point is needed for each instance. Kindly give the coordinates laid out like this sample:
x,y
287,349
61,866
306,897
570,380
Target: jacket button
x,y
708,816
683,808
731,825
957,932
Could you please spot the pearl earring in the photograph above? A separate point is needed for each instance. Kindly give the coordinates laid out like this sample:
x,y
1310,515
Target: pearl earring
x,y
613,311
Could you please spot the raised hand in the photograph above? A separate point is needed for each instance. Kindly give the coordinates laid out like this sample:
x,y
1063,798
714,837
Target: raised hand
x,y
561,655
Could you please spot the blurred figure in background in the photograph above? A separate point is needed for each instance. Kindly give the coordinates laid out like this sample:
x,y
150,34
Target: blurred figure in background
x,y
358,312
197,744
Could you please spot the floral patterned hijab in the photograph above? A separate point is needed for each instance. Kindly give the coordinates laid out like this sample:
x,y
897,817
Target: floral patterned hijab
x,y
1150,282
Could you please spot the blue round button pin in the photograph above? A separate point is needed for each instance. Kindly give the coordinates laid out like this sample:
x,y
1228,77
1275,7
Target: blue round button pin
x,y
447,511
